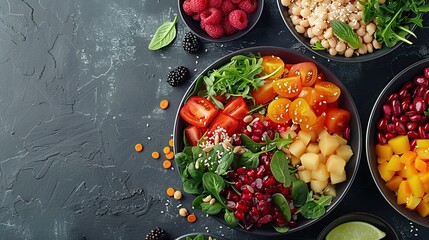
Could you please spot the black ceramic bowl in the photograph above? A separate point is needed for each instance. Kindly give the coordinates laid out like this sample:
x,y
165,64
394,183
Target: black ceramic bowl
x,y
363,217
205,235
306,42
194,26
371,139
290,56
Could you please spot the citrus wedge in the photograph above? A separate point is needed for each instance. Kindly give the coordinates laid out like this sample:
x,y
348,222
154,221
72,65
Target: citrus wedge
x,y
355,230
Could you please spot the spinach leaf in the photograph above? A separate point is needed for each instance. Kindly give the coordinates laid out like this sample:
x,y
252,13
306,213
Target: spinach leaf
x,y
213,157
283,205
196,174
281,229
254,147
199,237
164,35
214,183
249,159
299,192
229,218
225,163
346,33
211,209
198,153
182,160
192,186
196,203
313,209
189,238
280,168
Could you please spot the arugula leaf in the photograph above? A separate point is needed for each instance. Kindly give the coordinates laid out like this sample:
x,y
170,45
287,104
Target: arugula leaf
x,y
346,33
318,46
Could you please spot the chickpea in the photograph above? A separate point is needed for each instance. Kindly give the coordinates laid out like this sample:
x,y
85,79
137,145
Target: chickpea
x,y
328,33
354,24
304,23
183,212
309,33
177,195
363,49
332,51
295,20
349,52
367,38
289,11
376,44
325,43
305,13
332,42
369,47
341,47
314,40
351,8
312,20
361,31
296,10
317,31
299,29
370,28
327,1
359,6
320,24
285,3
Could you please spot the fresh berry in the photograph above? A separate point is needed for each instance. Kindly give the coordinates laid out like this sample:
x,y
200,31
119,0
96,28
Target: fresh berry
x,y
191,43
211,16
177,76
157,234
228,28
203,25
248,6
214,31
236,1
227,7
215,3
196,17
238,19
199,5
187,7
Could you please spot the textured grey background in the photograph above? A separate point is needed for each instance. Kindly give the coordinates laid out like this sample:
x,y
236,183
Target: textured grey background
x,y
78,88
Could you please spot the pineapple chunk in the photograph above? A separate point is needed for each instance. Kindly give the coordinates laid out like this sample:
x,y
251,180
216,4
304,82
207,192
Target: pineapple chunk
x,y
330,190
337,178
323,134
288,132
313,148
318,186
321,173
305,175
305,136
322,158
297,148
310,161
294,160
344,151
328,145
335,164
340,139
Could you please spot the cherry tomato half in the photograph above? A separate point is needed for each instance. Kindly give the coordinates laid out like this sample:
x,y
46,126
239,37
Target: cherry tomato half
x,y
328,90
306,70
300,112
316,127
278,110
271,64
236,108
337,120
198,111
224,122
265,93
288,87
193,134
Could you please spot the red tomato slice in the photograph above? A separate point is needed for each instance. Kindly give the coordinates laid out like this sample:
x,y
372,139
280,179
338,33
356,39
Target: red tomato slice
x,y
193,134
271,64
320,78
300,112
237,108
265,93
288,87
223,122
306,70
198,111
329,91
337,120
278,110
318,126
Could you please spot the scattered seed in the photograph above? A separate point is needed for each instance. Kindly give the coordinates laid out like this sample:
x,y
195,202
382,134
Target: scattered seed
x,y
248,119
212,201
207,199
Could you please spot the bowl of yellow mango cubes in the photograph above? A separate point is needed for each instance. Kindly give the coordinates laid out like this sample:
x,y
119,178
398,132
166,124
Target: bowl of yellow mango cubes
x,y
398,142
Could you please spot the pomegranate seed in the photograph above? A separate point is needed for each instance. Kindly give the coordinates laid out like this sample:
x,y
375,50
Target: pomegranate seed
x,y
256,138
265,219
293,223
239,215
246,196
346,134
251,173
231,205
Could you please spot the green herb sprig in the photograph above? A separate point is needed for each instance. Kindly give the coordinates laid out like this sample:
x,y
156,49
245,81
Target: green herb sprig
x,y
346,33
164,35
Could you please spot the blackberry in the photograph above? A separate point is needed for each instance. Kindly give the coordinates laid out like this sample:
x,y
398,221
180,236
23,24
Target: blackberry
x,y
177,76
191,43
157,234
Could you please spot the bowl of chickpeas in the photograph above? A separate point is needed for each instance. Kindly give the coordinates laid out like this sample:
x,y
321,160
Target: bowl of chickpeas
x,y
309,22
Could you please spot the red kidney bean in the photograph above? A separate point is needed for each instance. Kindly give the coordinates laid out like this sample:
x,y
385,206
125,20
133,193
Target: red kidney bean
x,y
413,134
394,119
412,125
392,97
346,134
410,113
390,128
402,93
405,104
396,108
426,96
400,128
421,81
389,136
403,118
419,105
415,118
382,123
418,92
387,109
381,138
408,85
413,144
423,120
426,72
422,133
427,127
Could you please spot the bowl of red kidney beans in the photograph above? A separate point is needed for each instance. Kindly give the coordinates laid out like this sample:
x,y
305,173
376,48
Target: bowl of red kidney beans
x,y
400,110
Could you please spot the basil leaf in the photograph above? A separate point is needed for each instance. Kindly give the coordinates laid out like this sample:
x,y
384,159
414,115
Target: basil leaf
x,y
346,33
281,229
299,192
211,209
283,205
192,186
230,219
214,183
164,35
280,168
250,144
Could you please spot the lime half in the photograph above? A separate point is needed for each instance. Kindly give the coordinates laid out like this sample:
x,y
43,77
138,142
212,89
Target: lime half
x,y
355,230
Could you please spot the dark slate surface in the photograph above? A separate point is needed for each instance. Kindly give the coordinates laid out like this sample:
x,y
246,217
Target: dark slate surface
x,y
79,88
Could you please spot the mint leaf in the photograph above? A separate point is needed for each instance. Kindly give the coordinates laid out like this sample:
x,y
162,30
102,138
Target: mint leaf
x,y
346,33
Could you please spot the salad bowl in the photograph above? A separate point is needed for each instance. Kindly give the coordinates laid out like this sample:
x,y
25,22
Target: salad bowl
x,y
345,100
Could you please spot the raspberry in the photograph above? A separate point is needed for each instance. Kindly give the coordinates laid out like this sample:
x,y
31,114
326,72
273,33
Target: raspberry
x,y
203,25
187,7
196,17
229,29
248,6
215,3
214,31
236,1
227,7
198,5
212,16
238,19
